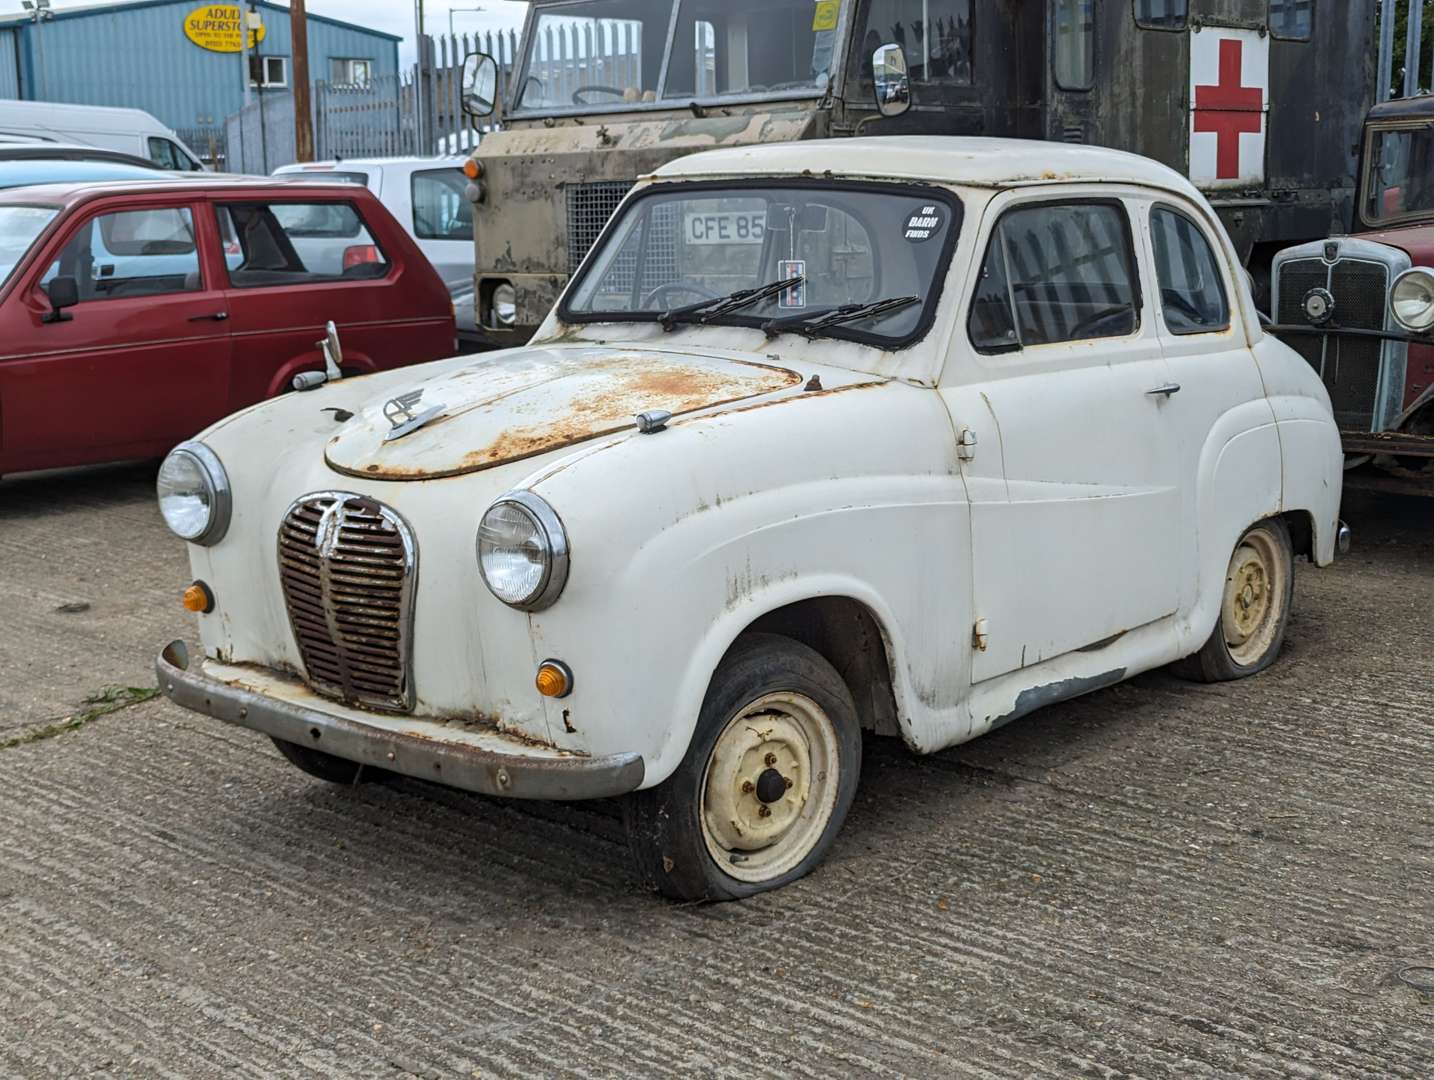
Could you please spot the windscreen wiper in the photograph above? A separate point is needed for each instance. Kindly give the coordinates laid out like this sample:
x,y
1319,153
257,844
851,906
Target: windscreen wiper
x,y
705,311
808,323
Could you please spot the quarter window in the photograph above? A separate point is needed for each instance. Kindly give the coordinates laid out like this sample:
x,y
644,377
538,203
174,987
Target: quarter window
x,y
1192,294
1073,28
1292,19
1162,14
1056,273
286,243
440,212
132,253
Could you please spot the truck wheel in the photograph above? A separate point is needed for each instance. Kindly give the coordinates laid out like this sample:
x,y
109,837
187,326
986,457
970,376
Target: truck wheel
x,y
766,782
335,770
1254,608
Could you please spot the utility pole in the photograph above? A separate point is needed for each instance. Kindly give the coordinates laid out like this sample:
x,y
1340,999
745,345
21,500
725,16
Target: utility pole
x,y
303,117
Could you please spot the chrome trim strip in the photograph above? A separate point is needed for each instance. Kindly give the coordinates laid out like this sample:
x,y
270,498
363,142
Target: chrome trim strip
x,y
487,772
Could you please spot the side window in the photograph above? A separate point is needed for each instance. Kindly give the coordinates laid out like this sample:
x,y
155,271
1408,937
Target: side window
x,y
1292,19
1073,47
935,61
161,152
284,243
1053,273
1192,294
440,212
132,253
1162,14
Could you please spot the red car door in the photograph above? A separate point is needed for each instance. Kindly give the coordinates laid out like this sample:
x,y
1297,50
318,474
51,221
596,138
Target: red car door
x,y
140,363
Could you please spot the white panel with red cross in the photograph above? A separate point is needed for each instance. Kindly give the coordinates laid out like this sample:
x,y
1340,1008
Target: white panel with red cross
x,y
1229,106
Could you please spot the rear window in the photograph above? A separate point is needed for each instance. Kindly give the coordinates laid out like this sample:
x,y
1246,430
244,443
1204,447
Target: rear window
x,y
287,243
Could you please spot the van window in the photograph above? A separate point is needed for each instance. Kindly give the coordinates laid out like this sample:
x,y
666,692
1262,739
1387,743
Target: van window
x,y
1192,294
1162,14
935,61
283,243
1056,272
1293,19
1073,27
132,253
440,212
169,156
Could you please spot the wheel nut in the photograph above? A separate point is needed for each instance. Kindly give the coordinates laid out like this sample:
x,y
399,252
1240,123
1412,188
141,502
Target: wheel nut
x,y
764,810
748,787
771,759
788,781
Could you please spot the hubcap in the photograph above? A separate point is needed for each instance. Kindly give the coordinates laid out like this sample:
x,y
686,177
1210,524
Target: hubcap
x,y
1254,596
770,786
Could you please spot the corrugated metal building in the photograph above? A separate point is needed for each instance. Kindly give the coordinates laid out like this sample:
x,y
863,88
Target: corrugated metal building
x,y
174,58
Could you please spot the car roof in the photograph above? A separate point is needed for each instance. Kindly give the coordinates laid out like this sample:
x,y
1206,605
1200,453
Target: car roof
x,y
189,184
26,172
321,167
31,150
1418,107
971,162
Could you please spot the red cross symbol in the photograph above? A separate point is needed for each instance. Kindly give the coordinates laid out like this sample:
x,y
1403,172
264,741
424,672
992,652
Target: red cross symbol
x,y
1229,110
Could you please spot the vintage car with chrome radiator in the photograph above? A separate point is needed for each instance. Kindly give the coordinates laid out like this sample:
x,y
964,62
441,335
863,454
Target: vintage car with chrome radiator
x,y
903,436
1360,308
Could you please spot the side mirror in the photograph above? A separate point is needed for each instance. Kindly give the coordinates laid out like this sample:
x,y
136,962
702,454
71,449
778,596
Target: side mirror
x,y
64,292
893,88
480,84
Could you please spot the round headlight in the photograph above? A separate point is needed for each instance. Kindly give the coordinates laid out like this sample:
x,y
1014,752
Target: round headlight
x,y
194,494
523,551
1411,301
505,305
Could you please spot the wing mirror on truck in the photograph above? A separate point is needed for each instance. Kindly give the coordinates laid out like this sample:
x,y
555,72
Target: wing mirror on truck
x,y
64,292
893,88
480,84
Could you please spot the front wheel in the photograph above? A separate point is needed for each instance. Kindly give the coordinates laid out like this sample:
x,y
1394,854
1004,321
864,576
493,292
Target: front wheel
x,y
1254,608
766,783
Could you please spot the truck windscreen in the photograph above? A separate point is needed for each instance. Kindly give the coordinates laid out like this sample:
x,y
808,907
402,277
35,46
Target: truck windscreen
x,y
1399,175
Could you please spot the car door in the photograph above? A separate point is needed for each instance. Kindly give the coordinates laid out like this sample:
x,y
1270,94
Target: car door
x,y
1220,395
140,363
1073,488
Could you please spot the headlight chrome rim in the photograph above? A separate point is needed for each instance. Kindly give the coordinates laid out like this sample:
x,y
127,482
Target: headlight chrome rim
x,y
1425,277
216,482
555,539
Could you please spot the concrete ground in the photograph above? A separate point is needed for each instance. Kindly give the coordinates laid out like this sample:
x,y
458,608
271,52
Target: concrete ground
x,y
1156,880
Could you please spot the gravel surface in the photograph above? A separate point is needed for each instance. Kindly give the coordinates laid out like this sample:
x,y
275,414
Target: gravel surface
x,y
1157,880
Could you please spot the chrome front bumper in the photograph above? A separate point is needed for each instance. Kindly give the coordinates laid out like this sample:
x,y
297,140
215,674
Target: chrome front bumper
x,y
489,763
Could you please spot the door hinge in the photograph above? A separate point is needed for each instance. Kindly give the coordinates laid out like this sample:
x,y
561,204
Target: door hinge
x,y
980,635
966,445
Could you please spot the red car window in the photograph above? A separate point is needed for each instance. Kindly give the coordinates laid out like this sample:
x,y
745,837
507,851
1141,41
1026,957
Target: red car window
x,y
289,243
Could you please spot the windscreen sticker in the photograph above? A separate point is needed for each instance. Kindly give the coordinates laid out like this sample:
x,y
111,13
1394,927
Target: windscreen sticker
x,y
925,223
796,296
824,15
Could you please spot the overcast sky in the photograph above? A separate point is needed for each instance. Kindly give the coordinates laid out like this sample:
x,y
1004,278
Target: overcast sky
x,y
392,16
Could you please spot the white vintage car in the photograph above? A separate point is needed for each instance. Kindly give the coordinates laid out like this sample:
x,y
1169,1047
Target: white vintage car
x,y
911,436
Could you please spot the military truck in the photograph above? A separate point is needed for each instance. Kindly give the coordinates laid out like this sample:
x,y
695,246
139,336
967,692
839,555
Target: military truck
x,y
1260,102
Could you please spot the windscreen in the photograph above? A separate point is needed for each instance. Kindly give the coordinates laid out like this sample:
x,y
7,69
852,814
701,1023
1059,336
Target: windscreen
x,y
1399,174
19,227
864,261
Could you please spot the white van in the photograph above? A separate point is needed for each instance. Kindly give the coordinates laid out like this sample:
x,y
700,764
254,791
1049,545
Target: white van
x,y
133,131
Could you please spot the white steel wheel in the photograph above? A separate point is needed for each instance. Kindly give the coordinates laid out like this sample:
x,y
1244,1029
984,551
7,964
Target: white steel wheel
x,y
1252,610
770,787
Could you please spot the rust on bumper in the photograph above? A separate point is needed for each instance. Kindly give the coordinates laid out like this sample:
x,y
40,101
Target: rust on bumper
x,y
486,771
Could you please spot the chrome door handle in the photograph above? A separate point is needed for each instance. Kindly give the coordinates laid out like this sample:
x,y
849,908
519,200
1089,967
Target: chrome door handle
x,y
218,316
1164,391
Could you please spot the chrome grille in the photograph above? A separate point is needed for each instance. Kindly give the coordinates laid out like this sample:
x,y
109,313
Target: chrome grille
x,y
347,565
589,207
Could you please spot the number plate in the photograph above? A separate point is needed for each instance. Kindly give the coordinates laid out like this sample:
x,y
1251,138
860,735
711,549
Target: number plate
x,y
725,227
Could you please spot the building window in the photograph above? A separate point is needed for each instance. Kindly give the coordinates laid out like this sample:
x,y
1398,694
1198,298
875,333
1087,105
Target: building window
x,y
350,71
1073,26
1162,14
268,71
1292,19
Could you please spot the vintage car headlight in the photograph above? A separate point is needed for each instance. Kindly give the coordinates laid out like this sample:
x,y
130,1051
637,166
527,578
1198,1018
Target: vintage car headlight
x,y
1411,301
194,494
523,551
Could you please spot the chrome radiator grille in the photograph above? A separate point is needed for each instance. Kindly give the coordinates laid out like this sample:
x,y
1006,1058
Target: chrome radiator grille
x,y
589,207
347,565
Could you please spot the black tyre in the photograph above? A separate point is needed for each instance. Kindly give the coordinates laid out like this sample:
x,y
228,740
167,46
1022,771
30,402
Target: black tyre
x,y
766,783
335,770
1254,608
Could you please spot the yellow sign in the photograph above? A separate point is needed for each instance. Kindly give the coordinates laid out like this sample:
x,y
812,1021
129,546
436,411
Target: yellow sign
x,y
824,15
216,27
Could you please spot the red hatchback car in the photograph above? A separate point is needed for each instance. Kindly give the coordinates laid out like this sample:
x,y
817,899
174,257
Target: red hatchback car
x,y
134,314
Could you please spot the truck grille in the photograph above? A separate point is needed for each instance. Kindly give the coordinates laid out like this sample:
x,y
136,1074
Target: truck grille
x,y
1355,371
347,565
589,207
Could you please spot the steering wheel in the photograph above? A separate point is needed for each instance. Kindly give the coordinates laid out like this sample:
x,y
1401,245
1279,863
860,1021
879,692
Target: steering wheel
x,y
1091,322
650,301
1172,301
578,98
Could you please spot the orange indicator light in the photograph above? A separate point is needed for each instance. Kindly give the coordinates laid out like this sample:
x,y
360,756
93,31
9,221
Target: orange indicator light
x,y
554,679
198,598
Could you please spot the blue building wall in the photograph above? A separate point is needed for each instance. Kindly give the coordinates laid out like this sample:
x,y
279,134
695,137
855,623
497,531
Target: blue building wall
x,y
137,55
